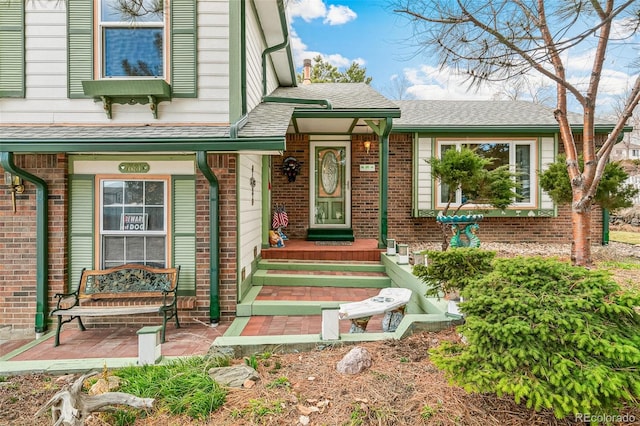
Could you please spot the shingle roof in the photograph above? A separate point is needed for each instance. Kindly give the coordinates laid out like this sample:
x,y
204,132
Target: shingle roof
x,y
74,132
341,95
460,114
267,119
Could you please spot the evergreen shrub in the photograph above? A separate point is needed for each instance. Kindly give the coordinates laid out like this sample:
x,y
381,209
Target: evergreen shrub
x,y
549,334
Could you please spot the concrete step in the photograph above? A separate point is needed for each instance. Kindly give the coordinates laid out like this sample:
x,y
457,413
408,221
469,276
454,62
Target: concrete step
x,y
299,300
316,278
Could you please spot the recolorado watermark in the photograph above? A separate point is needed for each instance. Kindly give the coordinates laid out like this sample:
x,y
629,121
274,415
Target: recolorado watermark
x,y
605,418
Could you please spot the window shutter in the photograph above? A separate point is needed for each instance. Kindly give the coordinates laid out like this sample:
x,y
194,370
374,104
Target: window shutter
x,y
183,49
12,67
184,232
79,45
81,227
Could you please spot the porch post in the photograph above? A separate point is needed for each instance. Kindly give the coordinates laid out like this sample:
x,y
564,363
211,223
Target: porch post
x,y
384,181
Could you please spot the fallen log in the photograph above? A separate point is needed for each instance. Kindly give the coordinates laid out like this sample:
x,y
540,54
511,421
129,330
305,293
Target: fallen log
x,y
72,407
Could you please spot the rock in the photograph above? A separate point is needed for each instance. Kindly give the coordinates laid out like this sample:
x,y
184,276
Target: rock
x,y
233,376
355,361
304,420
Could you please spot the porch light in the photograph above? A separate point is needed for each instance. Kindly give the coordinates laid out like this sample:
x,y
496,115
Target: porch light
x,y
403,254
391,247
367,146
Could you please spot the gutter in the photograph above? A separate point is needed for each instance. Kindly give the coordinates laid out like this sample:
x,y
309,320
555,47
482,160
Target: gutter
x,y
42,238
214,235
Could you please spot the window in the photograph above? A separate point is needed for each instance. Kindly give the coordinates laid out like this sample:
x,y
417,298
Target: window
x,y
133,41
133,222
518,154
635,153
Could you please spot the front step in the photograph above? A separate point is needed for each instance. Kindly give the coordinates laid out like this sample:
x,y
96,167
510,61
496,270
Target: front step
x,y
294,287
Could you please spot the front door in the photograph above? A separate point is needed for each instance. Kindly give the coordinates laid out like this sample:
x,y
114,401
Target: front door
x,y
330,185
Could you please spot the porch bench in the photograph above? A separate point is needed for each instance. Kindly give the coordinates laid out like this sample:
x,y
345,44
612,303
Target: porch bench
x,y
123,290
390,301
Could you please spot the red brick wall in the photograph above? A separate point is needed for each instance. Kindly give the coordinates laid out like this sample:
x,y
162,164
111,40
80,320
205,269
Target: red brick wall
x,y
401,225
295,195
18,240
18,244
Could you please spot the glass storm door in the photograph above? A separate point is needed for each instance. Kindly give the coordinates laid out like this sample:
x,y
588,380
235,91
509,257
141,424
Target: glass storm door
x,y
330,186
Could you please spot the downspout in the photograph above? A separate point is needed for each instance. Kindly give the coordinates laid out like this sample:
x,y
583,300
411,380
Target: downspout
x,y
42,238
384,181
605,227
214,235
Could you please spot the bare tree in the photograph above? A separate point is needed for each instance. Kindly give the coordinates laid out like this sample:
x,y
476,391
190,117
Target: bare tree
x,y
397,90
494,40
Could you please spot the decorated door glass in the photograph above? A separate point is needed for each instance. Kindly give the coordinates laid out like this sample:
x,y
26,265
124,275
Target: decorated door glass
x,y
330,186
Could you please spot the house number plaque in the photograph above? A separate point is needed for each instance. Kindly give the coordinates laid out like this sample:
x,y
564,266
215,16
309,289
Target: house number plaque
x,y
133,167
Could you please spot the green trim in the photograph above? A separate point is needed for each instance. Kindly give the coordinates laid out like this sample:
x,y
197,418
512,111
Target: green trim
x,y
387,125
128,92
12,50
492,130
345,113
237,60
511,212
605,227
264,277
266,200
42,238
133,144
277,99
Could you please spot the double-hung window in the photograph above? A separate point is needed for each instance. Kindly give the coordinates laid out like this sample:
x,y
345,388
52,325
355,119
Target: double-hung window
x,y
518,154
132,39
133,222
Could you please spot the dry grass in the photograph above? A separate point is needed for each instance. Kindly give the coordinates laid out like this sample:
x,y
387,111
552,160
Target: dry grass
x,y
626,237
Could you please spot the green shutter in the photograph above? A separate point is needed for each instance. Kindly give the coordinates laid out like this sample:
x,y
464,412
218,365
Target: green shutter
x,y
12,54
81,230
79,45
184,232
183,48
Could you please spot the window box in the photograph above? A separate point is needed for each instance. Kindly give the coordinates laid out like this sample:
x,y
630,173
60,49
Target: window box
x,y
138,91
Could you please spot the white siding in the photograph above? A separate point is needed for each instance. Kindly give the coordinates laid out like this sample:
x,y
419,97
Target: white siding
x,y
547,156
425,189
46,99
249,214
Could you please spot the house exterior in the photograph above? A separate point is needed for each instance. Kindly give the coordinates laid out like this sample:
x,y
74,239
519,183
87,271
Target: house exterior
x,y
167,142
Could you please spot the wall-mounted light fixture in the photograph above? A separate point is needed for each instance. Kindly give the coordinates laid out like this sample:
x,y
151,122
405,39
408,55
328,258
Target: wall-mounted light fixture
x,y
367,146
15,186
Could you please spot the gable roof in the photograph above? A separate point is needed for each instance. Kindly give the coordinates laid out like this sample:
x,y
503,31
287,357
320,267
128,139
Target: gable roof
x,y
476,115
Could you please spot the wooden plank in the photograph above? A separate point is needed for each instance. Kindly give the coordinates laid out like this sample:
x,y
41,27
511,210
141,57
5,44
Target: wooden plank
x,y
109,310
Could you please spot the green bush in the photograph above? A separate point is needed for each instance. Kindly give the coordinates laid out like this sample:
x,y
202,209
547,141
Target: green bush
x,y
549,334
453,270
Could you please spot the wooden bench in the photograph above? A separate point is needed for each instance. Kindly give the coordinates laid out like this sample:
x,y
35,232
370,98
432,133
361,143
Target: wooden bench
x,y
123,290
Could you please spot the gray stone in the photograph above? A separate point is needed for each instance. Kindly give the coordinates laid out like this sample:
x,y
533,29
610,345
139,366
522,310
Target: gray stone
x,y
234,376
355,361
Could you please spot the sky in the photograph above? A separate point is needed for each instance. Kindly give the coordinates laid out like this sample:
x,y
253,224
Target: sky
x,y
371,34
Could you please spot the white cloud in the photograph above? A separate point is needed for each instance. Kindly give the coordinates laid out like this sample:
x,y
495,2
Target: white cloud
x,y
339,15
307,9
622,28
428,82
301,52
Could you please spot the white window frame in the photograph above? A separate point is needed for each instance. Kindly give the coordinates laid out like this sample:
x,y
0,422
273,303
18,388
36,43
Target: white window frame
x,y
109,233
100,43
512,142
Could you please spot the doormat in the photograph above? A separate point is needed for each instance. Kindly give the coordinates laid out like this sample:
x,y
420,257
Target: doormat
x,y
334,243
